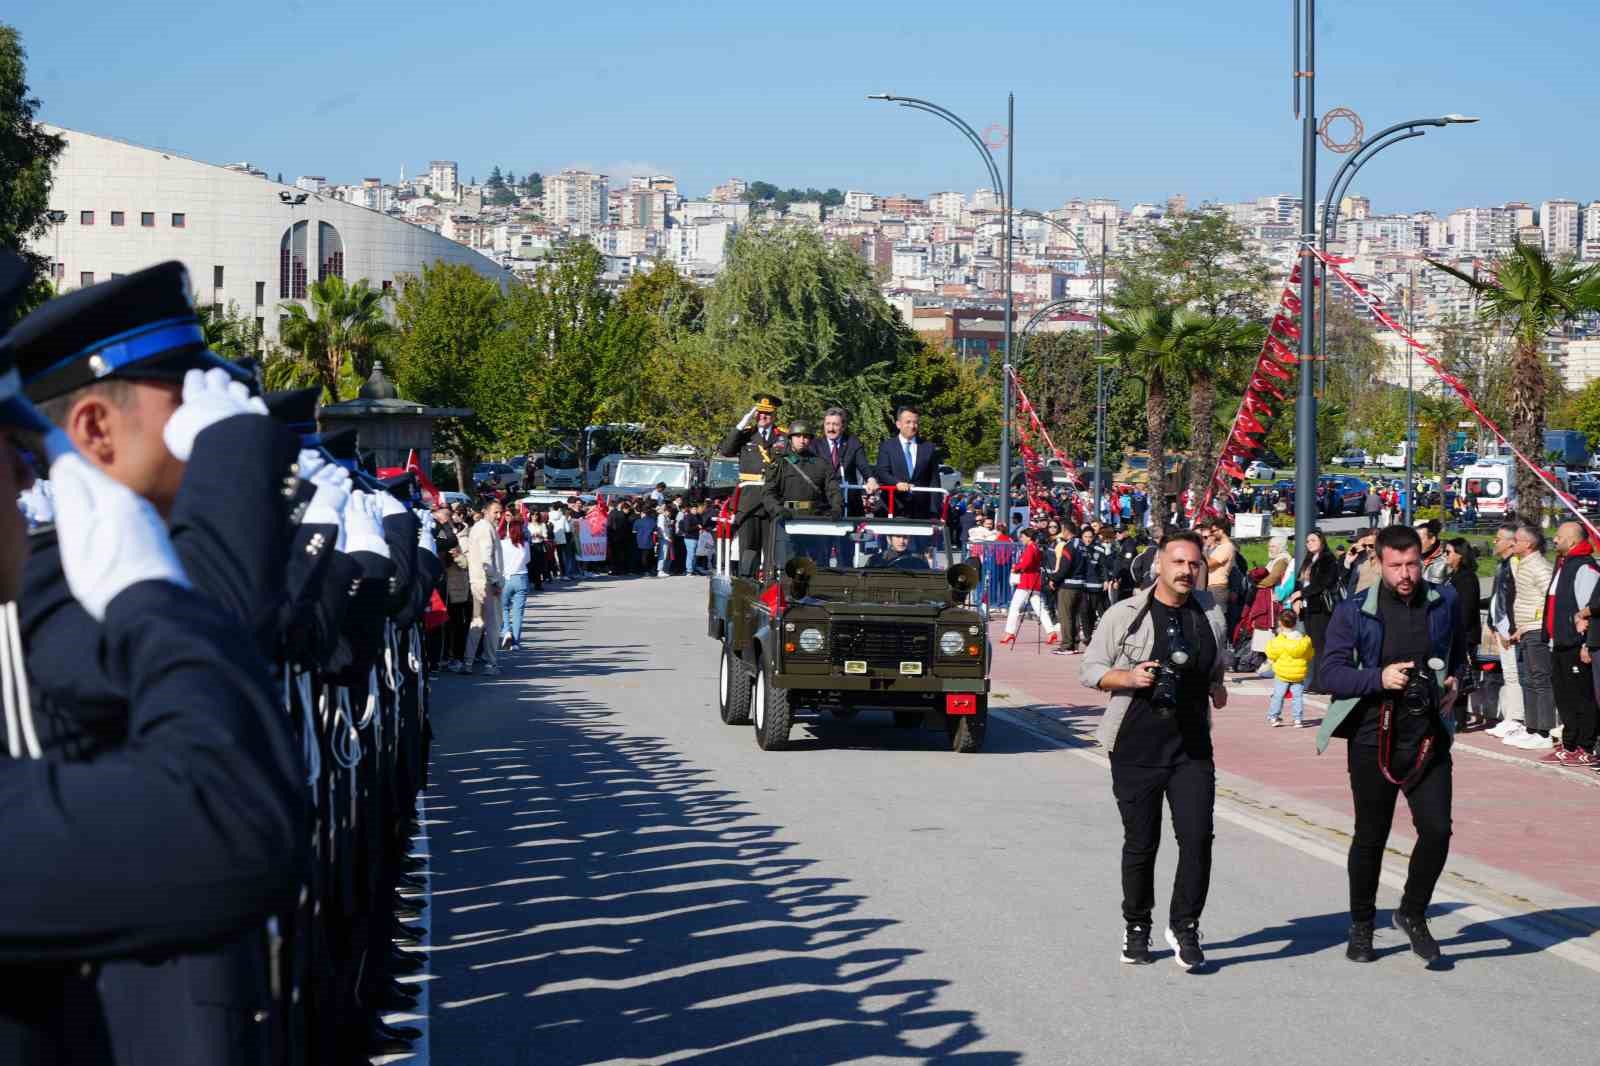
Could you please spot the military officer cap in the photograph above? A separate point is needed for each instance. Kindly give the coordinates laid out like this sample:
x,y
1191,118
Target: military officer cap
x,y
767,404
341,447
400,487
15,409
800,428
297,410
140,327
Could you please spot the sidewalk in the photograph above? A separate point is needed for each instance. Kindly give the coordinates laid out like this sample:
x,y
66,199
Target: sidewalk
x,y
1512,813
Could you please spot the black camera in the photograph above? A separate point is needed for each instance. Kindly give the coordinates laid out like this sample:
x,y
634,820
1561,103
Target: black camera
x,y
1170,671
1420,696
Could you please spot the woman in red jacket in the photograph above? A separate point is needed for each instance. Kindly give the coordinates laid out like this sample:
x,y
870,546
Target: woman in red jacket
x,y
1027,578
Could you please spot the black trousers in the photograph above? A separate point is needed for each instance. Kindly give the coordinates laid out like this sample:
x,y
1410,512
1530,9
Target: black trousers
x,y
1573,682
1190,789
1317,630
1091,605
1375,798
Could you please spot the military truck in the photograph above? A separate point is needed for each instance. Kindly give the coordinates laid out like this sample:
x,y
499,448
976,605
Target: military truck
x,y
847,615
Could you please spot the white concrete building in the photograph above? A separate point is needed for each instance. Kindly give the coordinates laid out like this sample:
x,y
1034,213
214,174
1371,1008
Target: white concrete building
x,y
576,198
442,176
947,205
1559,226
128,207
1589,233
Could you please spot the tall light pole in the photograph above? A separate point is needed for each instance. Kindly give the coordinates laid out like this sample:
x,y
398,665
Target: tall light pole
x,y
1305,412
1006,207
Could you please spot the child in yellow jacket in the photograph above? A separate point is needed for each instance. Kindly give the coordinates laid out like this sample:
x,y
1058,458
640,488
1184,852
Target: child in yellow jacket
x,y
1289,651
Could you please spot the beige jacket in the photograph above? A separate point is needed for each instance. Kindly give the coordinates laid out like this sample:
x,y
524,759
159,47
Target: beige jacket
x,y
1115,646
1532,574
485,567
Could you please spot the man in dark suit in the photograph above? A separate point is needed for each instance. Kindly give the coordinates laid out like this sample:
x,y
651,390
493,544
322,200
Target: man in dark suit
x,y
847,457
907,461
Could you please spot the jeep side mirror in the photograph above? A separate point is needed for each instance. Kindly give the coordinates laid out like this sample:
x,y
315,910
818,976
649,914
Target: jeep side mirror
x,y
963,578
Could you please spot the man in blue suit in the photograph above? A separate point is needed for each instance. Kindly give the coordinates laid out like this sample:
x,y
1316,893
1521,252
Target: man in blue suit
x,y
907,461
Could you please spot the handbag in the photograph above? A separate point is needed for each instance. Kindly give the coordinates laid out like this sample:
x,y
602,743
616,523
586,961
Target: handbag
x,y
435,614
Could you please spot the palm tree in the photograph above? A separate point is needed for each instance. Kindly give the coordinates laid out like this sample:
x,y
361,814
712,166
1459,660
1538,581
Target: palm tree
x,y
344,322
1216,356
1529,295
1158,344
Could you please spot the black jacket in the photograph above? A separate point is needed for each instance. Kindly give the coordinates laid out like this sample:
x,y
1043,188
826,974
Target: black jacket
x,y
1469,602
1319,580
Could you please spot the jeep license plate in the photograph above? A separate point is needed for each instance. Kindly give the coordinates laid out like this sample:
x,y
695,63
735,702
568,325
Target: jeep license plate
x,y
913,669
855,666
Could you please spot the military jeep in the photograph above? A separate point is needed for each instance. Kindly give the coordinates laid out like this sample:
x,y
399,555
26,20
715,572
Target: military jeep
x,y
844,615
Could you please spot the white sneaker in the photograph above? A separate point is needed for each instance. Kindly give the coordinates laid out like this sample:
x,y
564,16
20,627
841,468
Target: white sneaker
x,y
1533,742
1514,734
491,671
1501,728
1555,734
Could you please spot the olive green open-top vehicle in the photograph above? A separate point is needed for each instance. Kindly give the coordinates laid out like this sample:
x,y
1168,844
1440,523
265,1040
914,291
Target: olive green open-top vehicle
x,y
845,615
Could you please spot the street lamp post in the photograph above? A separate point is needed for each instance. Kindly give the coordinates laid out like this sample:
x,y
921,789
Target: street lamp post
x,y
56,268
1305,457
1006,206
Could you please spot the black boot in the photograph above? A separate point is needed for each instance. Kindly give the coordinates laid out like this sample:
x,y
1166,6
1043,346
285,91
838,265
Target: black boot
x,y
1360,947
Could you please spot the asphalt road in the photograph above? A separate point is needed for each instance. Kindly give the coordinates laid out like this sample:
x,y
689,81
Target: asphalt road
x,y
619,877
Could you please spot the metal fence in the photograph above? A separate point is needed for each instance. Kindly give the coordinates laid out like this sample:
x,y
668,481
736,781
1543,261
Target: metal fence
x,y
994,559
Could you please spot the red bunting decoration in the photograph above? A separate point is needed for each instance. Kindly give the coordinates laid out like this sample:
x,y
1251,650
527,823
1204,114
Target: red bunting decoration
x,y
1248,424
1271,369
1231,471
1290,302
1255,406
1281,352
1284,328
1262,385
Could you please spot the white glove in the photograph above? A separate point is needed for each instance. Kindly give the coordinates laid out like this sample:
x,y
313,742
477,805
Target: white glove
x,y
36,504
389,506
333,489
425,538
109,537
308,462
209,396
748,415
363,525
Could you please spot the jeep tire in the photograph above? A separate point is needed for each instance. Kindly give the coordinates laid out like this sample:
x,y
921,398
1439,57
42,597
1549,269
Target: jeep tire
x,y
771,714
966,731
733,688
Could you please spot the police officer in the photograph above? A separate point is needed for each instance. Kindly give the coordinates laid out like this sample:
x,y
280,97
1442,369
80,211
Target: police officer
x,y
757,442
161,856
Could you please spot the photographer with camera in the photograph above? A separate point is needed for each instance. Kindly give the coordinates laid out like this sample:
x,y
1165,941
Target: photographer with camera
x,y
1391,661
1159,654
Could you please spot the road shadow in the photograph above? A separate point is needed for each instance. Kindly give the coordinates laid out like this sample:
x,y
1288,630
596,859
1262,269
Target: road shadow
x,y
874,730
1518,934
597,897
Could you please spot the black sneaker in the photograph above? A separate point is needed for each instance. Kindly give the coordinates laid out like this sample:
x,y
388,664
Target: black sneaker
x,y
1136,945
1185,944
1360,947
1416,930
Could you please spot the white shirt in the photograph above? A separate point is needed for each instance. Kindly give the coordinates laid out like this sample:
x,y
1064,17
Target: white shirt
x,y
515,558
908,446
559,525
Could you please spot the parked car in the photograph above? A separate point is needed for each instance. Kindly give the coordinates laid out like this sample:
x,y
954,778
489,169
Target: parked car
x,y
1349,494
1259,471
1459,460
949,478
1356,457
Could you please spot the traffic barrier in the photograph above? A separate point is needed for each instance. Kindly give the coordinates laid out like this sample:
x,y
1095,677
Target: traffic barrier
x,y
994,559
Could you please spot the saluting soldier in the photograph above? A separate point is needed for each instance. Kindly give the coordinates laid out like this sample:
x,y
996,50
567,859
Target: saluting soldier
x,y
757,442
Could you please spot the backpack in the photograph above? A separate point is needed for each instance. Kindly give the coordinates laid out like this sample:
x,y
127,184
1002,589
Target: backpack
x,y
1241,590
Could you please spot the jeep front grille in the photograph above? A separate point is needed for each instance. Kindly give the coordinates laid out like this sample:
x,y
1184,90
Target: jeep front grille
x,y
886,644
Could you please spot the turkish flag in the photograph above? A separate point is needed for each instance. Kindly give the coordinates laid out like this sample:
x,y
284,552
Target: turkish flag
x,y
1271,369
1281,352
414,467
1250,425
1284,327
1260,384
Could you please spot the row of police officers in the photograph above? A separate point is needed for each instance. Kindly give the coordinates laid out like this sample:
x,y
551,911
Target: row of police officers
x,y
216,722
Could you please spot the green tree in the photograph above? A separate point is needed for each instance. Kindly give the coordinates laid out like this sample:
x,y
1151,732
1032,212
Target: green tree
x,y
448,318
960,404
1201,260
1216,355
795,313
228,332
1158,345
1581,411
27,156
339,333
1058,373
1529,295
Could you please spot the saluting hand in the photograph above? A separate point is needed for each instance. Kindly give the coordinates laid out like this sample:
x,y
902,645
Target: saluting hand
x,y
333,489
209,397
363,525
110,538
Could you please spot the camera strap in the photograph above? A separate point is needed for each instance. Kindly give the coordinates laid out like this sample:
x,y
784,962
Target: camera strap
x,y
1386,749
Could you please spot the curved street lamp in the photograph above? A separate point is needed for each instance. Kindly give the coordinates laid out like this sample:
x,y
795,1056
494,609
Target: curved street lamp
x,y
1005,189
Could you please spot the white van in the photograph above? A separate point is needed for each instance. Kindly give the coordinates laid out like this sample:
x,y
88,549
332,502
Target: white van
x,y
1492,482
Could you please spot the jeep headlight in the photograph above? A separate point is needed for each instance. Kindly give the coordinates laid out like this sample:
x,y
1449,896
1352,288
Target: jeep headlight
x,y
811,641
950,642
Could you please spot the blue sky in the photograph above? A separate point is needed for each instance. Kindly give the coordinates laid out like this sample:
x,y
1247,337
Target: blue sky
x,y
1132,100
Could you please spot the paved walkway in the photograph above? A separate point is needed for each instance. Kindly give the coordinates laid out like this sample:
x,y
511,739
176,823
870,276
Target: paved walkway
x,y
1521,826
